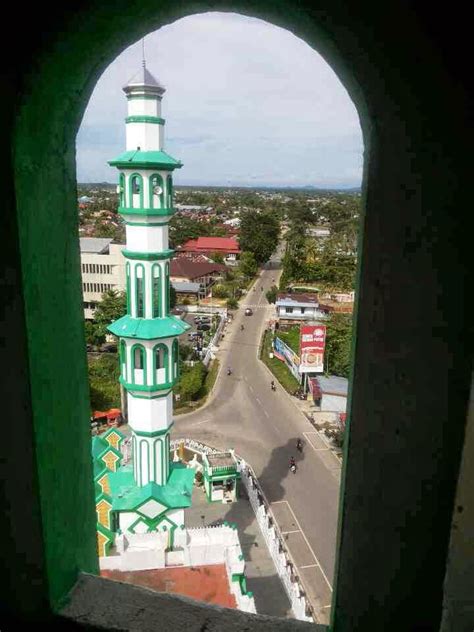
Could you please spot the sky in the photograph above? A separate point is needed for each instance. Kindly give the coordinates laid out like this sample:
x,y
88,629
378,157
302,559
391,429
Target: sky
x,y
247,103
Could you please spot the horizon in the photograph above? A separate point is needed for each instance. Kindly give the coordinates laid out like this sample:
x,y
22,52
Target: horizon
x,y
248,104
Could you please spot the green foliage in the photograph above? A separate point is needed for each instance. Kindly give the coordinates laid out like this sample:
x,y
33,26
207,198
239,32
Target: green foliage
x,y
217,257
338,344
191,382
271,294
259,233
172,297
220,291
104,384
247,265
232,303
113,305
277,367
93,336
291,337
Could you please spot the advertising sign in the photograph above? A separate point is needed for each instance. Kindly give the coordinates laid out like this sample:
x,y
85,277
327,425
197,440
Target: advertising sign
x,y
287,355
312,341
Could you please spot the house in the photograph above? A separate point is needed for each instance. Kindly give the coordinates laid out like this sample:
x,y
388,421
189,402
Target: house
x,y
190,291
330,392
209,246
183,270
296,307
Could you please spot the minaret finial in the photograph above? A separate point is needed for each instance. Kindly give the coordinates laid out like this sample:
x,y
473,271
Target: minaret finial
x,y
143,53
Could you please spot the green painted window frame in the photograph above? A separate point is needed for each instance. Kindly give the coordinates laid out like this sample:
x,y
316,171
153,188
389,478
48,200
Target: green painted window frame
x,y
123,359
161,197
127,283
166,363
140,291
144,363
169,191
156,291
122,189
159,480
175,356
131,179
167,289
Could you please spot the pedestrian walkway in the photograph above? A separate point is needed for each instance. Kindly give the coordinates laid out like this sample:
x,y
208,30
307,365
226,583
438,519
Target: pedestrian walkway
x,y
262,579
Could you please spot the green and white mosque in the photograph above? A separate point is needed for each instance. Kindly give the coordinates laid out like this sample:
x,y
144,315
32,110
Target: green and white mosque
x,y
150,494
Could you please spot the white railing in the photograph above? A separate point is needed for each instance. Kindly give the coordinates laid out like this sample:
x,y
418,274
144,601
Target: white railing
x,y
284,563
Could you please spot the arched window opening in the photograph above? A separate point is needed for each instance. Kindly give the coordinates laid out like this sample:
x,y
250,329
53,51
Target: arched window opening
x,y
167,289
140,291
156,288
156,191
121,191
175,360
139,365
161,362
169,191
136,191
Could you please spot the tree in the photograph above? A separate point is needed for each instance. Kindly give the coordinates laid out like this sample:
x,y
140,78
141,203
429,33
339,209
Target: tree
x,y
259,233
104,384
271,295
247,265
172,297
220,291
191,381
112,307
93,336
232,303
217,257
338,344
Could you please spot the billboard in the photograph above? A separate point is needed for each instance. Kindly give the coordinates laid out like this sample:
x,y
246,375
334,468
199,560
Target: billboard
x,y
312,341
287,355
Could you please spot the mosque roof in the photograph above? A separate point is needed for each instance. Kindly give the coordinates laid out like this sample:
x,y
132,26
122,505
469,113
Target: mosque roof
x,y
144,79
127,496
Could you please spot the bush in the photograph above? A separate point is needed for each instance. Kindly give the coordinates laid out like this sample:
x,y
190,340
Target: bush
x,y
232,303
219,291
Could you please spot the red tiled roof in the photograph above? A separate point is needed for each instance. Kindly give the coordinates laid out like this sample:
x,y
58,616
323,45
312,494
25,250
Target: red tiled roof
x,y
183,267
212,244
205,583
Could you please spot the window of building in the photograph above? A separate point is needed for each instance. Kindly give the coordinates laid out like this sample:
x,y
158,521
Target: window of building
x,y
138,358
156,191
169,191
289,310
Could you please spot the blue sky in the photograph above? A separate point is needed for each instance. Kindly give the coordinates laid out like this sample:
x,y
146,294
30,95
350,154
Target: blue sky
x,y
246,104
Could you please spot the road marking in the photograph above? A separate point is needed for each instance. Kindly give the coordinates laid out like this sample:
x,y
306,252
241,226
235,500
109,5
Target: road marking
x,y
250,387
310,566
295,531
277,502
198,423
266,414
309,545
258,401
328,606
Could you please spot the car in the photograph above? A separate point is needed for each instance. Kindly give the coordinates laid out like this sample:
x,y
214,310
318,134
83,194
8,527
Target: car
x,y
248,311
193,335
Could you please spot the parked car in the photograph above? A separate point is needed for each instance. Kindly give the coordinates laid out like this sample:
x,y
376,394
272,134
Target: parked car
x,y
193,335
109,348
248,311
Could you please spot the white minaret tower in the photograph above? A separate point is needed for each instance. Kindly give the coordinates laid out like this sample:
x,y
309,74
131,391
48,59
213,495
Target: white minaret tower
x,y
148,334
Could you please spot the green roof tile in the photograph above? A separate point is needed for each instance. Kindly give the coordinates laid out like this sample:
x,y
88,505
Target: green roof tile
x,y
148,328
146,159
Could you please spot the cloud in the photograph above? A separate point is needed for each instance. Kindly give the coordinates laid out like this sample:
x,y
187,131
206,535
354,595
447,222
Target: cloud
x,y
245,101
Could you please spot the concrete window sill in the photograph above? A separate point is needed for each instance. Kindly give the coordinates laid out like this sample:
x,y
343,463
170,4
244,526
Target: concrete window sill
x,y
109,605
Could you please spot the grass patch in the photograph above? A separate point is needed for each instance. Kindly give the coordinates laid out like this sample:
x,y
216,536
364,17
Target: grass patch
x,y
291,338
277,367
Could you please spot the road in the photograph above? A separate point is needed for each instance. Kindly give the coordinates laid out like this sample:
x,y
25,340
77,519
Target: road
x,y
263,426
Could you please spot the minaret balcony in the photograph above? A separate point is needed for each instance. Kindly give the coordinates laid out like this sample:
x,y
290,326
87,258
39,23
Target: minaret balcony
x,y
146,212
149,388
148,256
136,159
148,328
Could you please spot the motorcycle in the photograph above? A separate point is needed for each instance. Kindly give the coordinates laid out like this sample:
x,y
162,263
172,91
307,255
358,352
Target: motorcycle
x,y
293,467
242,327
272,386
299,446
229,372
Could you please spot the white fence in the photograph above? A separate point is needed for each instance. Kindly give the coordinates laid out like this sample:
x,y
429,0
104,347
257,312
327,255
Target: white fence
x,y
284,564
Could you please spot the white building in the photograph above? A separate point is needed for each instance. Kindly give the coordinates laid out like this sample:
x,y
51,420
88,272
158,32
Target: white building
x,y
298,307
333,392
102,268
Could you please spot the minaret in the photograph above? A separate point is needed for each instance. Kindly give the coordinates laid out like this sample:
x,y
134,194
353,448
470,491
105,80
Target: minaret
x,y
148,334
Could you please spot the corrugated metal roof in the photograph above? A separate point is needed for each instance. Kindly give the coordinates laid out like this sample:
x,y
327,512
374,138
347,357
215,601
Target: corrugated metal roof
x,y
334,384
96,245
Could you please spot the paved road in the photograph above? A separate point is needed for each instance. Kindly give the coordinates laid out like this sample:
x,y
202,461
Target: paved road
x,y
262,426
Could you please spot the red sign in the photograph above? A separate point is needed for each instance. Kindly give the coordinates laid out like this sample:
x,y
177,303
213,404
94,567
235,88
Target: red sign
x,y
312,342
